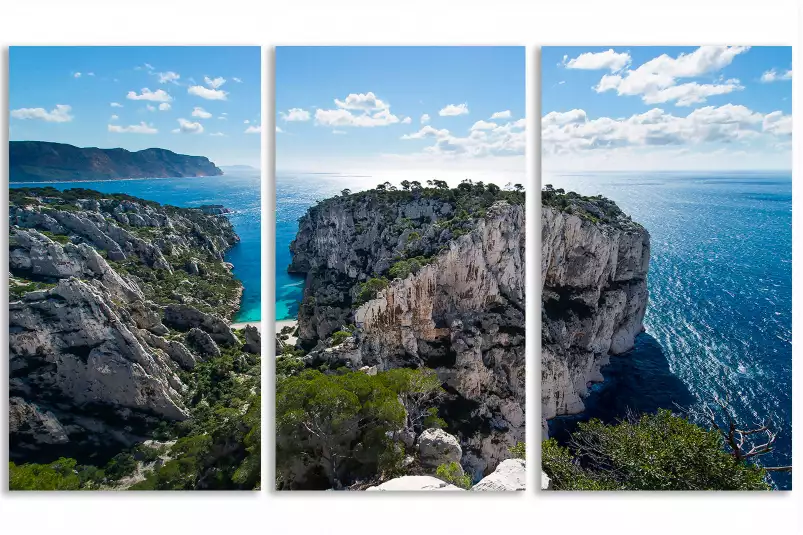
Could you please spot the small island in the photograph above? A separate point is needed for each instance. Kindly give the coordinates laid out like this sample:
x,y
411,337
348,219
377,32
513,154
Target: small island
x,y
42,161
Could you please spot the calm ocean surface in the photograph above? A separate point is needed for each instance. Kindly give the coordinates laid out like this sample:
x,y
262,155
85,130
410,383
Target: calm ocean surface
x,y
237,190
719,318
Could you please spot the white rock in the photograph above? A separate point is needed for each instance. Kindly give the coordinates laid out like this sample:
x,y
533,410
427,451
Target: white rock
x,y
414,483
511,474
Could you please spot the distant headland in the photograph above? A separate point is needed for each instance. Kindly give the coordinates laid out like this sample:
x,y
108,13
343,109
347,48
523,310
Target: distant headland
x,y
42,161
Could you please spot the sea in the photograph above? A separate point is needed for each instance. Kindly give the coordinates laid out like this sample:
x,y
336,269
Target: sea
x,y
238,190
295,193
719,317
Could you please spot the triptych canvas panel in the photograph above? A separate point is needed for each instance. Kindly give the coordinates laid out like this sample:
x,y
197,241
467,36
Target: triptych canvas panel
x,y
396,330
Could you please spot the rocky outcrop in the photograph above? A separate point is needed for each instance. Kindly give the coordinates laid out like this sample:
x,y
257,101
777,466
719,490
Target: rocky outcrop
x,y
437,447
94,360
594,263
460,312
414,483
253,342
510,475
37,161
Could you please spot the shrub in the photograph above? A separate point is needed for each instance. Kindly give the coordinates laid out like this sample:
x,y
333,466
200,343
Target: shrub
x,y
368,290
338,337
658,451
453,473
58,475
519,451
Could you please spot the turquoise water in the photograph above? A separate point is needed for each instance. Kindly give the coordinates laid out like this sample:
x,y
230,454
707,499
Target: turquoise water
x,y
719,318
239,191
294,194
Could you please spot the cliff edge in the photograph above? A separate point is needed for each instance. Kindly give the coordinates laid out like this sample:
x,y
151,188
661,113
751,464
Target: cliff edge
x,y
594,264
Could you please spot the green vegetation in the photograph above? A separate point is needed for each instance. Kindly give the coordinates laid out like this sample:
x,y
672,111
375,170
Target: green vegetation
x,y
346,424
519,451
404,268
652,452
338,337
595,209
18,287
368,290
58,475
453,473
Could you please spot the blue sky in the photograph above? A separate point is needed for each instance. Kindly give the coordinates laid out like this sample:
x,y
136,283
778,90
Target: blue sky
x,y
382,110
191,100
666,108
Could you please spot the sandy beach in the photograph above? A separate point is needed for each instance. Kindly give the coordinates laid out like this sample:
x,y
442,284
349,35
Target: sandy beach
x,y
242,325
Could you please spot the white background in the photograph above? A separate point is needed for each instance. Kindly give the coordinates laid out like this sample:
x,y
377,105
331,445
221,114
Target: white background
x,y
408,22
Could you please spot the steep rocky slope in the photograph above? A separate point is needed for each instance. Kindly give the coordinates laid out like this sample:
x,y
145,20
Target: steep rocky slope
x,y
37,161
111,298
594,263
427,278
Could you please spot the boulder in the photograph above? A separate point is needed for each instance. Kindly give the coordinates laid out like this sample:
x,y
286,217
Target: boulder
x,y
203,342
510,474
546,483
253,342
436,447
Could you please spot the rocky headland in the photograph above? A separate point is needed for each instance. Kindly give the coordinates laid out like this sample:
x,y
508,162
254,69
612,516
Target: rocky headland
x,y
42,161
118,308
426,279
594,263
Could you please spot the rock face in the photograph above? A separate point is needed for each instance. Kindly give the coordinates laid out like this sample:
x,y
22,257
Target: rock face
x,y
93,362
461,313
594,264
36,161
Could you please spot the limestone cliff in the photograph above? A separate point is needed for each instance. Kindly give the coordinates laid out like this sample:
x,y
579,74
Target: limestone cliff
x,y
594,263
105,293
425,283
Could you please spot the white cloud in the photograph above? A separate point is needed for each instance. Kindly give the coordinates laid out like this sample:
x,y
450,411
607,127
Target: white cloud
x,y
454,109
483,125
206,93
501,115
197,111
295,114
655,81
253,129
160,95
777,123
425,118
609,60
343,117
164,106
59,114
339,132
77,75
90,74
773,76
406,120
218,134
279,130
116,105
246,121
425,132
214,83
113,118
691,93
140,128
237,79
168,77
573,132
149,66
150,108
188,127
359,101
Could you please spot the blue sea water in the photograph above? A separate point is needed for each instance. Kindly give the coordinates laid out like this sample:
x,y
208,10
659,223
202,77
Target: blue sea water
x,y
237,190
295,193
719,318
